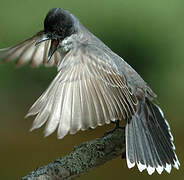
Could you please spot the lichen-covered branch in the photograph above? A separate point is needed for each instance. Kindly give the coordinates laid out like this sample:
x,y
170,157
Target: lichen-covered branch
x,y
83,158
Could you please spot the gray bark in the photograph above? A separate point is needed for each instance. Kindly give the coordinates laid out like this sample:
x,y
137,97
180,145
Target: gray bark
x,y
83,158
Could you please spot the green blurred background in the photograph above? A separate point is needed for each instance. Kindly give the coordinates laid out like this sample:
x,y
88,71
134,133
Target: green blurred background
x,y
148,34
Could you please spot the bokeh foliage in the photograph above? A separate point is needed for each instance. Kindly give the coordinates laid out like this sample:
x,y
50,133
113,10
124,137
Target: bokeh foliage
x,y
149,34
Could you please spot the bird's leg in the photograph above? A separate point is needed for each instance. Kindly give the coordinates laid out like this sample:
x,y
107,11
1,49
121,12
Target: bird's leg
x,y
117,126
123,155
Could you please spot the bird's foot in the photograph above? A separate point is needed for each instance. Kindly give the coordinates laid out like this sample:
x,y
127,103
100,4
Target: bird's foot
x,y
117,126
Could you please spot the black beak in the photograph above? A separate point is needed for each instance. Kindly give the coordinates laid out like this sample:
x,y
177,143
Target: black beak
x,y
53,45
42,39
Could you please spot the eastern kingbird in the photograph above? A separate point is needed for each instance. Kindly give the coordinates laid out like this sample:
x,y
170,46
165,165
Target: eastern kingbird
x,y
93,87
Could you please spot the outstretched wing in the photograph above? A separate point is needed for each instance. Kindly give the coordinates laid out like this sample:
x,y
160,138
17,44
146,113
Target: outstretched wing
x,y
26,51
87,92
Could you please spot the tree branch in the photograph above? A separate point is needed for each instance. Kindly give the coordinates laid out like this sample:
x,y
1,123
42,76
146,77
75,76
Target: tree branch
x,y
83,158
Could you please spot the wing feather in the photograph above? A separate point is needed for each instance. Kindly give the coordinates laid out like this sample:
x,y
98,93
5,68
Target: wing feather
x,y
66,113
54,118
86,93
25,55
26,51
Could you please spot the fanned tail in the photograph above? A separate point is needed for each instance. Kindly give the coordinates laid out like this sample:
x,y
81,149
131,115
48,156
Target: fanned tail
x,y
149,142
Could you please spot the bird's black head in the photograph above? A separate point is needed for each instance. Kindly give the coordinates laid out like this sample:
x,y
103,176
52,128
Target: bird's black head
x,y
58,23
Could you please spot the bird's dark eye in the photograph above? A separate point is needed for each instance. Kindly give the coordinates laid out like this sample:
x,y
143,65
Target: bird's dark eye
x,y
60,32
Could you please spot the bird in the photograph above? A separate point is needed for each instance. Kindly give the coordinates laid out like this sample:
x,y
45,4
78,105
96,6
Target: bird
x,y
94,86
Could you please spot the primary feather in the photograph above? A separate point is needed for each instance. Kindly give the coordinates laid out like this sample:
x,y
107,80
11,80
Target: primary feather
x,y
26,52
